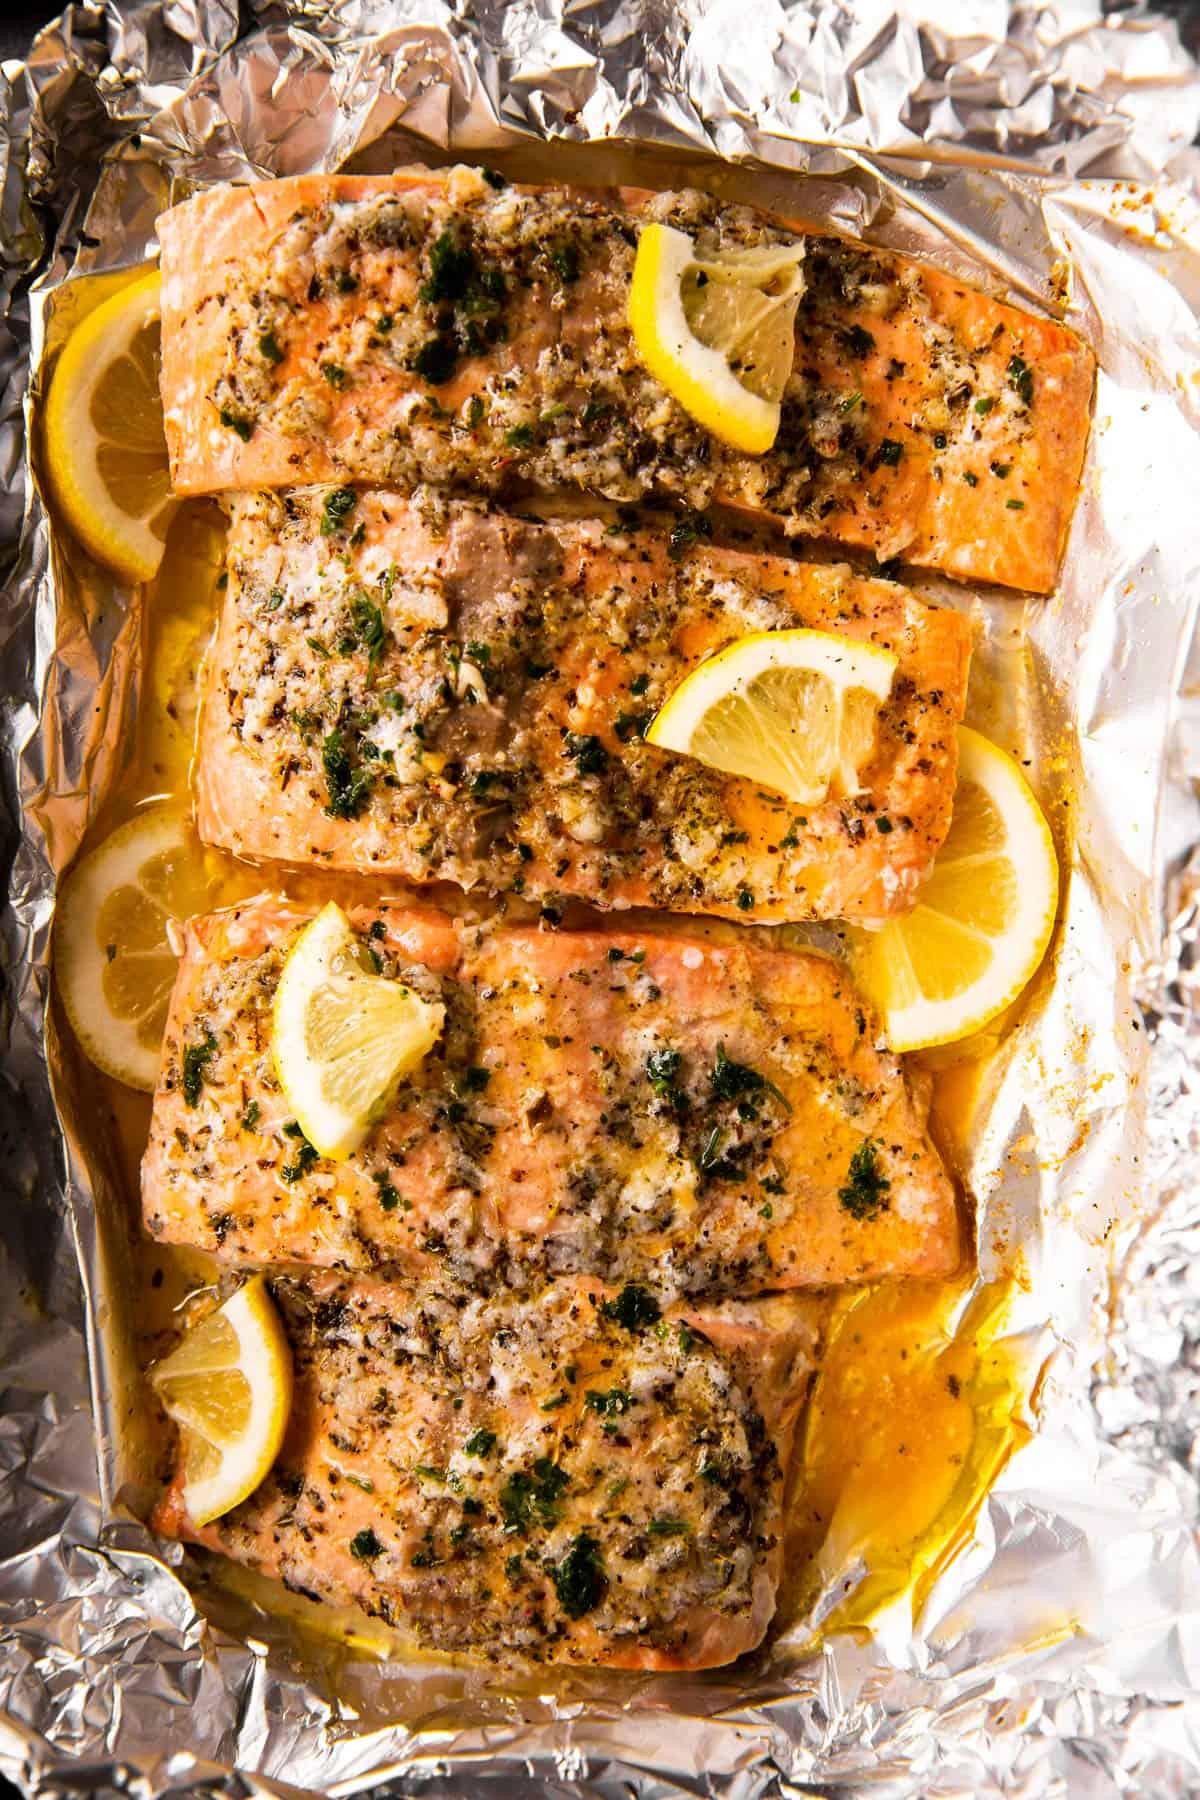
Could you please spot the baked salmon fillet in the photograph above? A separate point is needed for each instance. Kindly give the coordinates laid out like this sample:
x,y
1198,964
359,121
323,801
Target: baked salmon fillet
x,y
572,1477
465,700
446,328
647,1106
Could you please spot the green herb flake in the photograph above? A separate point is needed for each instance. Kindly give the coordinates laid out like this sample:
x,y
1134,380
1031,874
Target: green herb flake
x,y
587,752
268,347
435,360
890,451
532,1495
365,1545
864,1194
196,1058
389,1198
453,267
368,623
307,1155
970,479
519,437
480,1443
347,789
1020,376
334,374
564,260
251,1116
666,1526
687,533
984,406
609,1403
634,1307
579,1579
337,509
235,421
1015,505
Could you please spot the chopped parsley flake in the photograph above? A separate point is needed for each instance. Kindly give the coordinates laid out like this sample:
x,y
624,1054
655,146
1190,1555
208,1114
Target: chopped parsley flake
x,y
196,1058
590,756
865,1191
338,507
579,1579
480,1443
235,421
365,1545
564,260
347,789
609,1403
686,533
1020,376
531,1495
634,1308
334,374
268,345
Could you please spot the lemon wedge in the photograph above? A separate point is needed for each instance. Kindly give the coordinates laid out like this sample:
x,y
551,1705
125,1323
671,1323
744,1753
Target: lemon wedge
x,y
228,1387
718,332
981,928
344,1037
112,958
105,450
795,711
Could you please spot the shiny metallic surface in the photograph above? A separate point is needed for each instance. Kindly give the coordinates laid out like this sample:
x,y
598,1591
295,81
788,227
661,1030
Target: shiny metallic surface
x,y
1045,149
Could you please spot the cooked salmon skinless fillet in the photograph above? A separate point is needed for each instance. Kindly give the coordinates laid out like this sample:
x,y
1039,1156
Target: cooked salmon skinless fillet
x,y
465,701
568,1477
697,1115
432,327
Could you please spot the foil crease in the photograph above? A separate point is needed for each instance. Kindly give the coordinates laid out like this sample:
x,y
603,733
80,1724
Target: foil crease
x,y
1059,1651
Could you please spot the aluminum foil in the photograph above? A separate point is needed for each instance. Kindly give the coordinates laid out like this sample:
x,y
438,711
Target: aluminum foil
x,y
1042,149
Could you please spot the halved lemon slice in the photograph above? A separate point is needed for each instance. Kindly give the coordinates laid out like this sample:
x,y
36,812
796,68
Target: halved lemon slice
x,y
344,1037
228,1387
984,920
795,711
718,331
105,452
112,959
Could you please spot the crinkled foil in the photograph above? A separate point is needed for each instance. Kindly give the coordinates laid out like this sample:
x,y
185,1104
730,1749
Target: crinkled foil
x,y
1046,149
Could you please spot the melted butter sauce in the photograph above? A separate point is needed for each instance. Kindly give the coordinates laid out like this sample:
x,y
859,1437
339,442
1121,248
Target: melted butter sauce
x,y
917,1405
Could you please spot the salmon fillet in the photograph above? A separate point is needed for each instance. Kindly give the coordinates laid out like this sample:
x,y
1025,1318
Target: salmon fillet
x,y
442,328
635,1106
564,1478
466,702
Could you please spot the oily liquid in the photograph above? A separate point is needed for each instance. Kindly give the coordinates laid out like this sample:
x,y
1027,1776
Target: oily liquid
x,y
917,1404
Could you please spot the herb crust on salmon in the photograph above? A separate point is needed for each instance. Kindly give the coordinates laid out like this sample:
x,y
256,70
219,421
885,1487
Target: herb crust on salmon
x,y
465,700
574,1477
447,329
701,1115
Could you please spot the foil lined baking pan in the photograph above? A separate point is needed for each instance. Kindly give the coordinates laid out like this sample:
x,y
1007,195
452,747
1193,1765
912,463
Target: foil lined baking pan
x,y
1045,152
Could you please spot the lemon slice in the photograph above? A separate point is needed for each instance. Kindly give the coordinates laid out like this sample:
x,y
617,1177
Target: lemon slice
x,y
985,916
112,959
105,451
344,1037
795,711
718,332
228,1387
